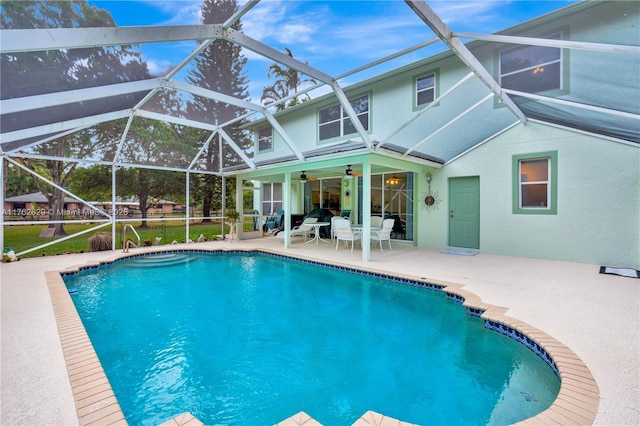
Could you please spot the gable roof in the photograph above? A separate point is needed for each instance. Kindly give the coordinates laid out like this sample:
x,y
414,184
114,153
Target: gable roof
x,y
603,99
35,197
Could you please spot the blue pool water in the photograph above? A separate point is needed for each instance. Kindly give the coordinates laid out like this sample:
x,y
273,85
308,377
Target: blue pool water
x,y
252,339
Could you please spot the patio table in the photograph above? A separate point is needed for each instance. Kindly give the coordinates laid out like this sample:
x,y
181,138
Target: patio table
x,y
316,230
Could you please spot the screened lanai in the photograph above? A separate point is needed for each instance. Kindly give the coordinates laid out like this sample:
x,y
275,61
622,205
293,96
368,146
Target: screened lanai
x,y
211,129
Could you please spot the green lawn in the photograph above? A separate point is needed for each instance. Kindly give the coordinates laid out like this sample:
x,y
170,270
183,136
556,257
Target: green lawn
x,y
24,237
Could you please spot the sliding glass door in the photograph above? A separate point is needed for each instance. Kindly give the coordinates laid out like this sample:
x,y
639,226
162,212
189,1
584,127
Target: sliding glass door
x,y
391,197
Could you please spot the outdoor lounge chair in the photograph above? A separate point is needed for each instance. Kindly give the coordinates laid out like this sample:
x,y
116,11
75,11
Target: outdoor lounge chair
x,y
383,234
344,233
304,228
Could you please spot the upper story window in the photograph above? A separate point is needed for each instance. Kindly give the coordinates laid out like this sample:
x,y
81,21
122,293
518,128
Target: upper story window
x,y
334,122
425,89
535,183
265,139
532,69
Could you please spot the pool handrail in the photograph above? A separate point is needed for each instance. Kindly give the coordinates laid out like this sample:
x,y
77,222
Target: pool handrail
x,y
125,242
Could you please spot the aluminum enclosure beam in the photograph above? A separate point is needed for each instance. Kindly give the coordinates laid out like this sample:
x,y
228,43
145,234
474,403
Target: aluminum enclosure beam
x,y
240,13
276,125
434,22
63,126
344,101
27,103
271,53
216,96
45,140
574,104
175,120
30,40
389,58
449,123
237,149
425,109
547,42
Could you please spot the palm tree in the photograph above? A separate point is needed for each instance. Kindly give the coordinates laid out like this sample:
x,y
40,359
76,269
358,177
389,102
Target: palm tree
x,y
287,81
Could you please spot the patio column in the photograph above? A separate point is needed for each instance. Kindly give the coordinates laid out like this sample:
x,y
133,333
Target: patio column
x,y
187,197
2,192
114,238
239,206
286,205
366,211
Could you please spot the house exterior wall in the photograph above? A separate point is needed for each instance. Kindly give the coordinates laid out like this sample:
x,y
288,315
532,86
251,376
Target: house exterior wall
x,y
598,216
598,209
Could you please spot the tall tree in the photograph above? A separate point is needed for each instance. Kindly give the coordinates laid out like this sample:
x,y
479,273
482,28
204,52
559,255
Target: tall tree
x,y
17,181
220,67
288,81
33,73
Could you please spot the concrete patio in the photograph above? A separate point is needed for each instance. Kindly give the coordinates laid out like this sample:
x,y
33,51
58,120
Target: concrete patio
x,y
595,315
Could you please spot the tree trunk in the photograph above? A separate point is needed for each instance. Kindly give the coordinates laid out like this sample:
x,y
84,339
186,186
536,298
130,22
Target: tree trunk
x,y
144,196
143,211
206,207
56,212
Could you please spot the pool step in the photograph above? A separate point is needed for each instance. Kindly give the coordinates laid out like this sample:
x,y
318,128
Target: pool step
x,y
161,260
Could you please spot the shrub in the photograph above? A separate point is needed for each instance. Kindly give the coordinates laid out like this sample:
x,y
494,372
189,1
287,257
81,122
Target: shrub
x,y
100,241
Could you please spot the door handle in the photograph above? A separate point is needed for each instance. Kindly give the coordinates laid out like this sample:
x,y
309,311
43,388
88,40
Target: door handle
x,y
451,213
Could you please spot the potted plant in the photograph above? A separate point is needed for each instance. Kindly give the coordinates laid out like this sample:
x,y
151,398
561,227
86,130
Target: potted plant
x,y
232,217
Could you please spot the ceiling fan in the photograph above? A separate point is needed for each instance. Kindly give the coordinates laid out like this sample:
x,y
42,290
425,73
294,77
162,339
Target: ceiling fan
x,y
349,172
304,178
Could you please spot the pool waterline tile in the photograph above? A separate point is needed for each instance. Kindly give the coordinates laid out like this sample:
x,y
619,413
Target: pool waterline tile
x,y
582,389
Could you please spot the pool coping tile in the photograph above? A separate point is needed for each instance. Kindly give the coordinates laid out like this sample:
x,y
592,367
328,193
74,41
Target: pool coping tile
x,y
576,403
95,401
299,419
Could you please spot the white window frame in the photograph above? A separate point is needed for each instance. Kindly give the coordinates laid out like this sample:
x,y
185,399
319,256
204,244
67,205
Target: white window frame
x,y
431,88
344,116
546,182
263,138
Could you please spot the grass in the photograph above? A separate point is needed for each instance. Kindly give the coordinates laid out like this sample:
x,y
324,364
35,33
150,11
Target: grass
x,y
24,237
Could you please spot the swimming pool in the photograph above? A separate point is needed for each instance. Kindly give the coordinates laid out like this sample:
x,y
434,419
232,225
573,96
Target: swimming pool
x,y
248,338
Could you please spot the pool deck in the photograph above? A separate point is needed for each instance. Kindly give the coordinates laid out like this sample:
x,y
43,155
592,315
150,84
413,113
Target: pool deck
x,y
597,316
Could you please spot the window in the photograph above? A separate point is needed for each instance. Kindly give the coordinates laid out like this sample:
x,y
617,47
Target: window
x,y
532,69
334,122
271,198
265,139
425,89
535,183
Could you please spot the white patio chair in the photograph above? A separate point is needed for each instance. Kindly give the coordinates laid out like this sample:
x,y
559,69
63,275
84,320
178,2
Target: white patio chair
x,y
333,227
376,223
344,233
304,228
384,234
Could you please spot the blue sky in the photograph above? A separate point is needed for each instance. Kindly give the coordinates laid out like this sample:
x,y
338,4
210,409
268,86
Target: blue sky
x,y
333,36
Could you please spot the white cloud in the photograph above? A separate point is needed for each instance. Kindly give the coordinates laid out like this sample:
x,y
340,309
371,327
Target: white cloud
x,y
181,12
